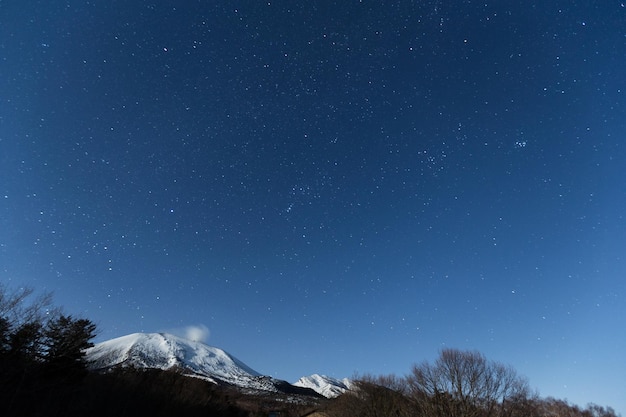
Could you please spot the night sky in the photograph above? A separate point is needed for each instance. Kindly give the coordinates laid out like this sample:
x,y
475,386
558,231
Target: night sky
x,y
329,187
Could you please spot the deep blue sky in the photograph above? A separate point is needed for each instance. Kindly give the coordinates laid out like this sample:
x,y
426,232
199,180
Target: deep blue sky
x,y
330,187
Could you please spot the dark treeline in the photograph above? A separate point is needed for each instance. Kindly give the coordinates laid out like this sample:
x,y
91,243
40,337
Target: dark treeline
x,y
35,337
457,384
43,372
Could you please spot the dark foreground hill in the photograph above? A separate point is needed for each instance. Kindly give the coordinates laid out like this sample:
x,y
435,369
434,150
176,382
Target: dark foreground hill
x,y
131,392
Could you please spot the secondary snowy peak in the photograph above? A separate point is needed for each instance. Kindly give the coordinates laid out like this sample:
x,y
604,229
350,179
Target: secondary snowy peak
x,y
324,385
166,351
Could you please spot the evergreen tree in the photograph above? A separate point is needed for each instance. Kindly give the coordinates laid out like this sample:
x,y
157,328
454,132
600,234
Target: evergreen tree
x,y
25,342
65,340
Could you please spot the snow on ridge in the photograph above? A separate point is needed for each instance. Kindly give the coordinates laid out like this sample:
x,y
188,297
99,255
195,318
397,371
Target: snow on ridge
x,y
165,351
325,385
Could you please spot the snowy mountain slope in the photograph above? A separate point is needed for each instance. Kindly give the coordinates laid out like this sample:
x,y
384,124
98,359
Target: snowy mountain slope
x,y
166,351
324,385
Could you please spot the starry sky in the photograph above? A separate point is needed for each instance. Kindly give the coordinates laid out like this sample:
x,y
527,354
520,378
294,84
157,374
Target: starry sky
x,y
327,186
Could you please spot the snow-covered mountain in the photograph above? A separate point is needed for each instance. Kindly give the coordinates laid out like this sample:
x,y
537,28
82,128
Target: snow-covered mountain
x,y
324,385
166,351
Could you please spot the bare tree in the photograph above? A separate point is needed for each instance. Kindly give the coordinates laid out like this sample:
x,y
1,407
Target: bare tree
x,y
463,383
598,411
19,307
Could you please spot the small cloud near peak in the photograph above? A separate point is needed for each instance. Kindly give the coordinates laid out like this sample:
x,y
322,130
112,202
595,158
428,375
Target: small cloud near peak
x,y
197,333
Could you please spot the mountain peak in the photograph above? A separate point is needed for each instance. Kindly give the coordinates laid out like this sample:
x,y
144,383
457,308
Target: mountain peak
x,y
166,351
325,385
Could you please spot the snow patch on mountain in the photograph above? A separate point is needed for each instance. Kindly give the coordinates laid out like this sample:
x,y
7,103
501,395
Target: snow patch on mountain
x,y
324,385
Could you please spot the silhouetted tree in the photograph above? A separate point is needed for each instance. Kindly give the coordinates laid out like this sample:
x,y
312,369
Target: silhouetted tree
x,y
22,306
463,383
22,318
598,411
382,396
25,342
524,405
65,340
